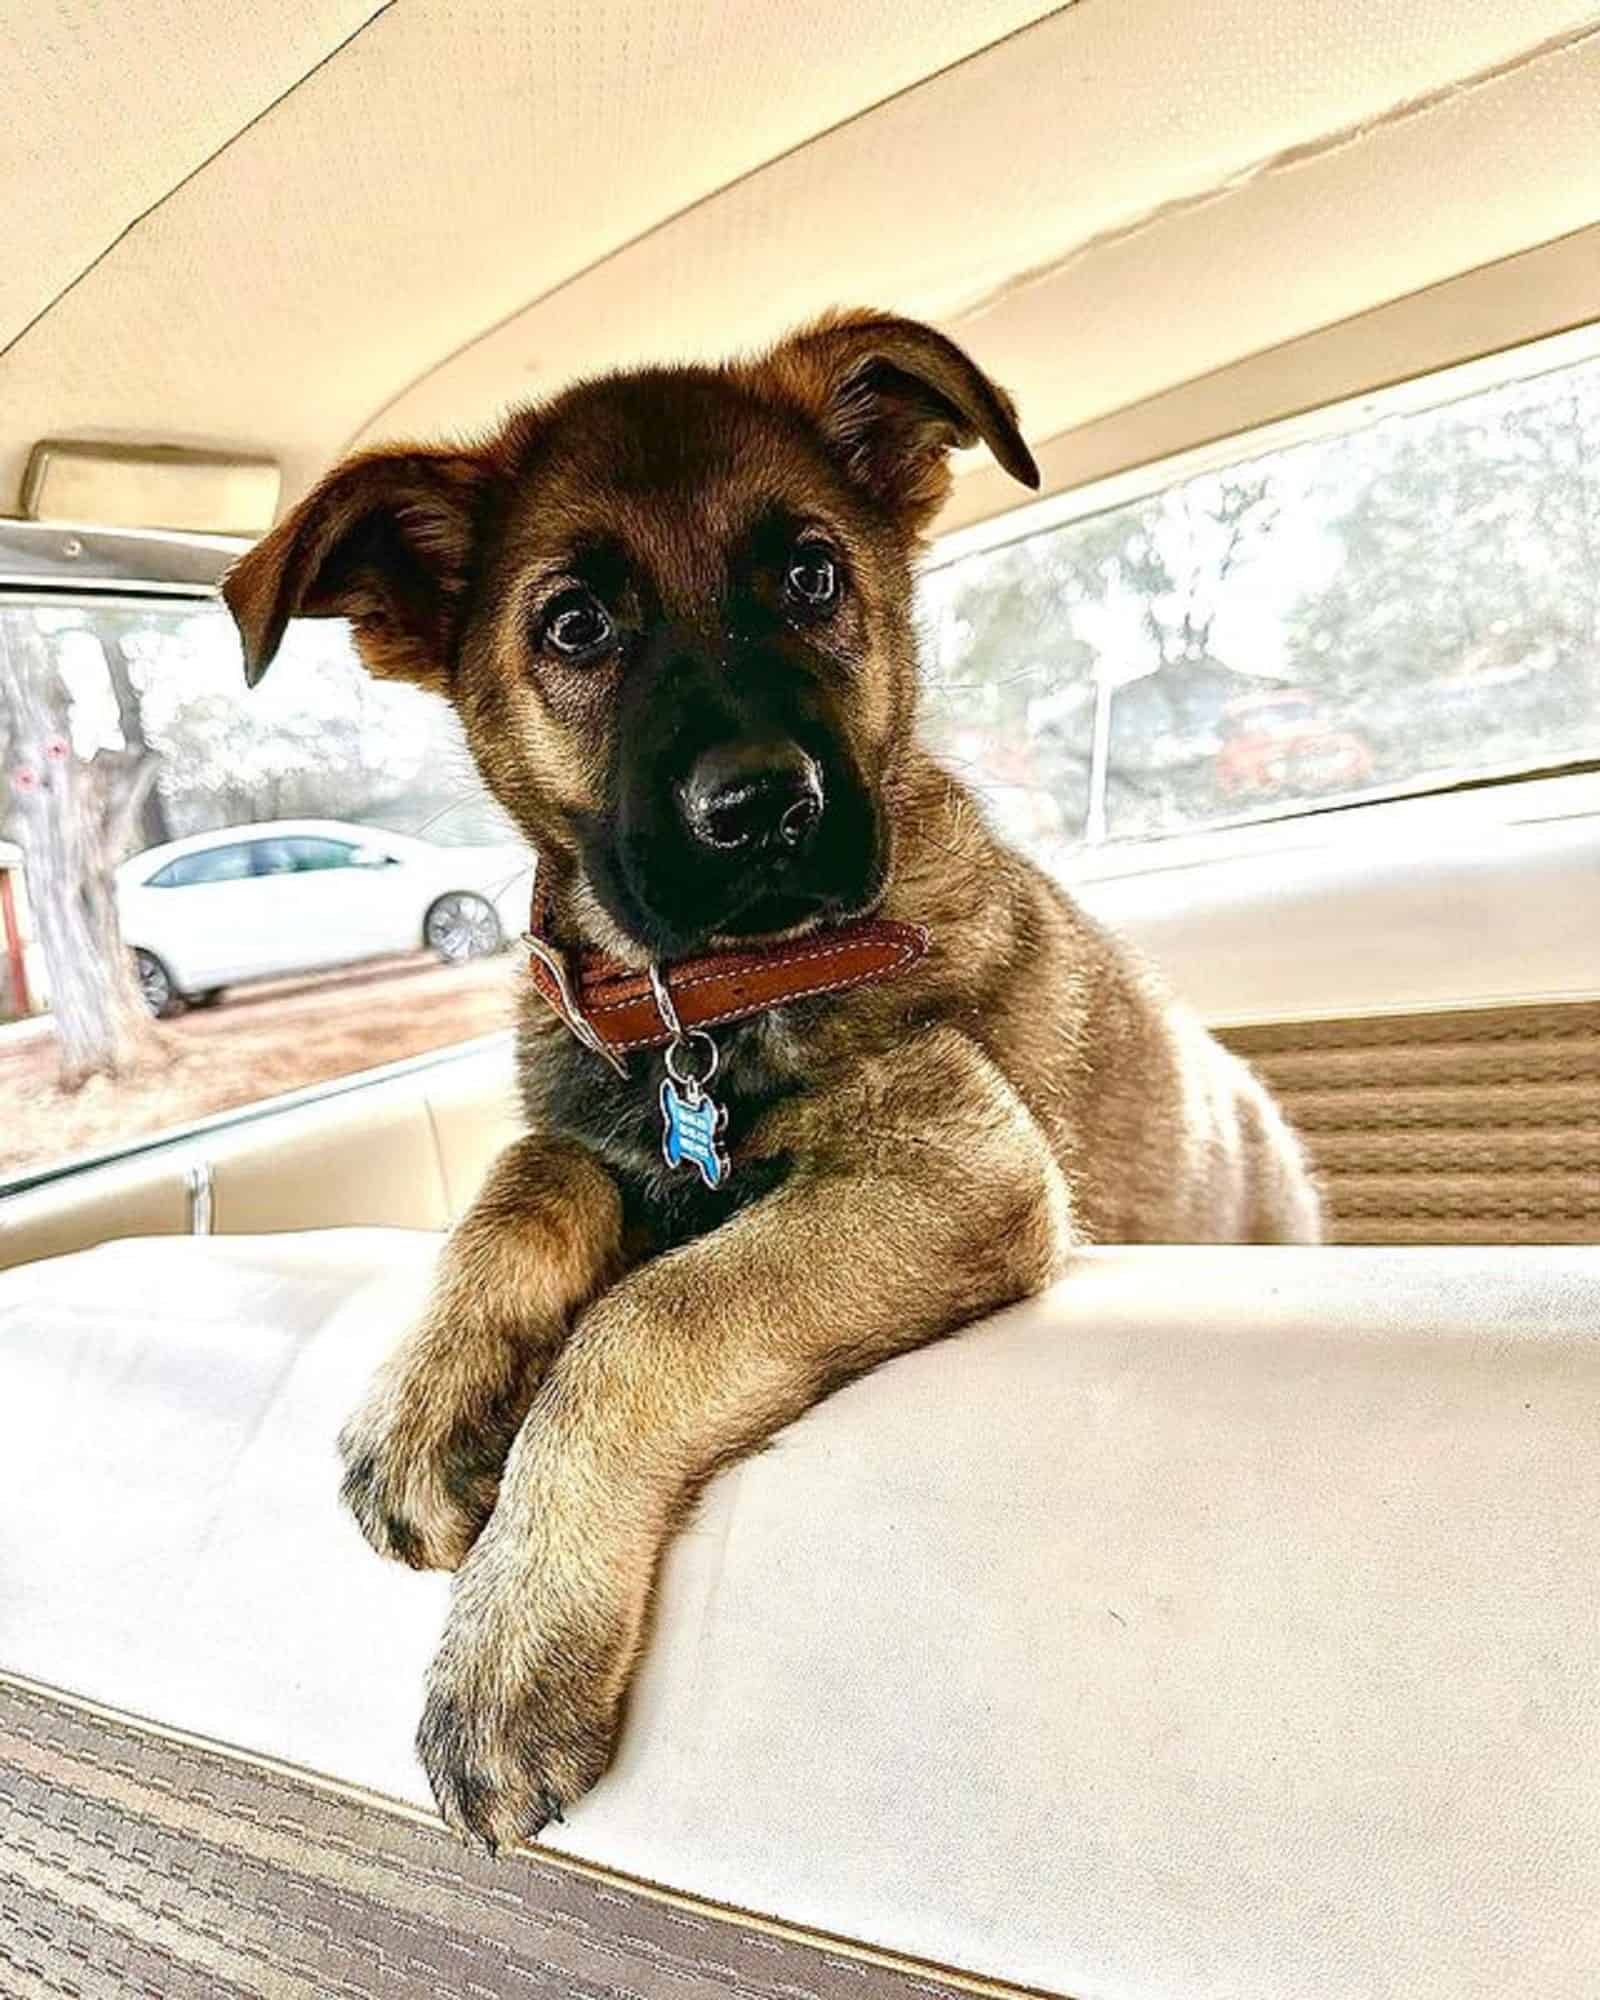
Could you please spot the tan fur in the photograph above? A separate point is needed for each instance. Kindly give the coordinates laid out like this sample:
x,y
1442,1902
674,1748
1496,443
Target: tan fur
x,y
423,1453
1028,1087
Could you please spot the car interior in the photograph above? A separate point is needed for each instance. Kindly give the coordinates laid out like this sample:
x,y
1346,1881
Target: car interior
x,y
1221,1622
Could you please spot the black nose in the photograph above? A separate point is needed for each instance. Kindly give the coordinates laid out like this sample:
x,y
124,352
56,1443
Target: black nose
x,y
752,796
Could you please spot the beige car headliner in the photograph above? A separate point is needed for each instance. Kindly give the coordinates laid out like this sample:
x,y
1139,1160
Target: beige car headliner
x,y
290,229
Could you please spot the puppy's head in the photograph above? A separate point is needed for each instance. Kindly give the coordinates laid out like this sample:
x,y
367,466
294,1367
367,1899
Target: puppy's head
x,y
673,609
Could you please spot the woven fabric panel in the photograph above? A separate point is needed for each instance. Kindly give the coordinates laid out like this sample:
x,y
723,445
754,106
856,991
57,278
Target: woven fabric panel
x,y
134,1864
1478,1126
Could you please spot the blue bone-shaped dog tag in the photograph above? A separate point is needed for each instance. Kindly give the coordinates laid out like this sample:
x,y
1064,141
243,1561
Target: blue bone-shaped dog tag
x,y
690,1128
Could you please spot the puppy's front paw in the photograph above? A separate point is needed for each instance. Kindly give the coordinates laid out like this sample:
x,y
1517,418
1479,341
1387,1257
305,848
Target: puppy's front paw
x,y
517,1724
421,1474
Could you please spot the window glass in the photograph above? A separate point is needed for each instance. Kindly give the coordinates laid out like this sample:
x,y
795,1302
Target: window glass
x,y
210,864
310,855
126,727
1404,604
1413,602
297,854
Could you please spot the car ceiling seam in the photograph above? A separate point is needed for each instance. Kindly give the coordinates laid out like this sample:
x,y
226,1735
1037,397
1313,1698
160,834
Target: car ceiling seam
x,y
1249,437
1304,152
200,167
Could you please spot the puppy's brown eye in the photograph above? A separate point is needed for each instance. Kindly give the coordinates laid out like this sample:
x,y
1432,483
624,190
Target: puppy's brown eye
x,y
578,626
812,579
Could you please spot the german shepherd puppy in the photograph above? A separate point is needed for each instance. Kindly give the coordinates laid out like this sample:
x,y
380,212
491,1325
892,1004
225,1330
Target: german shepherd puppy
x,y
674,611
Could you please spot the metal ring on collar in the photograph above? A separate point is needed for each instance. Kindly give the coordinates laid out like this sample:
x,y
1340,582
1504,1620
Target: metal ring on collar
x,y
665,1006
686,1079
682,1037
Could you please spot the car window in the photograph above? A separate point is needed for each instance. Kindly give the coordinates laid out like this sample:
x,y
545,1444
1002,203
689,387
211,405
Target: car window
x,y
1400,604
1410,603
300,854
210,864
125,725
272,857
310,854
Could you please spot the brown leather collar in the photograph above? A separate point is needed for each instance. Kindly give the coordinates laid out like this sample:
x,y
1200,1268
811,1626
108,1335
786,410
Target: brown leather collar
x,y
611,1009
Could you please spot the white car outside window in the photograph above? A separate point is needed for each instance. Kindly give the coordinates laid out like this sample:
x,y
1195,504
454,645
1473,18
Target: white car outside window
x,y
297,896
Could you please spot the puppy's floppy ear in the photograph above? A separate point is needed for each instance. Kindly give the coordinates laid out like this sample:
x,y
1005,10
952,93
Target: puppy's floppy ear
x,y
894,397
386,540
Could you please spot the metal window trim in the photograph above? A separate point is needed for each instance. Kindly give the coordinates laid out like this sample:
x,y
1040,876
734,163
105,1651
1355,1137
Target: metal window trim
x,y
199,1183
49,559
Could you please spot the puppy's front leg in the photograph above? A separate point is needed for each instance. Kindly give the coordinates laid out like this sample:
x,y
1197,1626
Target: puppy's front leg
x,y
423,1453
921,1196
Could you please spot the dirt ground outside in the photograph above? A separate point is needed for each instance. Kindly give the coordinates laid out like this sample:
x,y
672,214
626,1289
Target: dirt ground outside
x,y
258,1041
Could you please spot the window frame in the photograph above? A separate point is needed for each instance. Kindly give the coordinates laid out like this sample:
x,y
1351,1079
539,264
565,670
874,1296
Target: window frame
x,y
50,564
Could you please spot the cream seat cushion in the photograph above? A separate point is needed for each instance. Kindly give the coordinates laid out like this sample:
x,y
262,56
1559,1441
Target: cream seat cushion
x,y
1224,1623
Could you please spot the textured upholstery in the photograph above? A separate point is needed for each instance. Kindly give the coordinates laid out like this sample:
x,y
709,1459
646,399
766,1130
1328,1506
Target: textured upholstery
x,y
1478,1125
210,70
133,1861
425,176
319,222
1223,1623
1143,222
